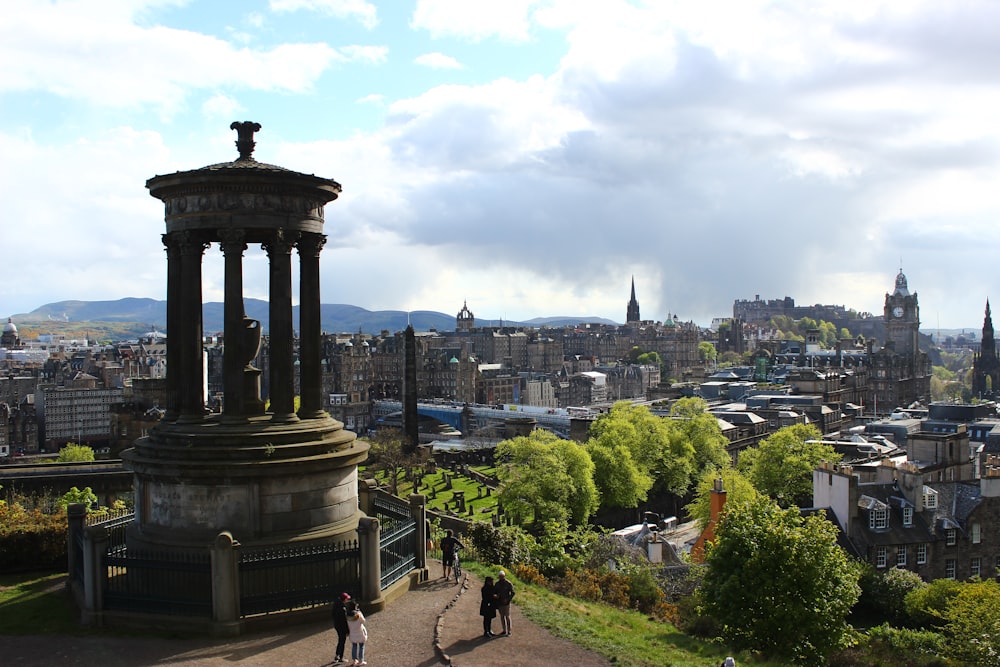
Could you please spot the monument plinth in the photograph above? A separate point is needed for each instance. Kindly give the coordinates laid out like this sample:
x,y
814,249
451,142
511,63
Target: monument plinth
x,y
266,476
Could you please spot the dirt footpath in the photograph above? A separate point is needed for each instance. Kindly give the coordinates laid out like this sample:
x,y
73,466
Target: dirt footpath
x,y
437,623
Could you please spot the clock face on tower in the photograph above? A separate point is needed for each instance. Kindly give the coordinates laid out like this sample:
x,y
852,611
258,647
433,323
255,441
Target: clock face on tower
x,y
897,311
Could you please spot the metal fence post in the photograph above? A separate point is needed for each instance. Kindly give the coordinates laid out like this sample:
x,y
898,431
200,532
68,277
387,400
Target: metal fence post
x,y
225,585
370,558
418,508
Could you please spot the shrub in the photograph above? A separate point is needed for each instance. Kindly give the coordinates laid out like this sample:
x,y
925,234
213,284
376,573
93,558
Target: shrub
x,y
529,574
905,640
883,593
506,545
32,540
643,591
926,606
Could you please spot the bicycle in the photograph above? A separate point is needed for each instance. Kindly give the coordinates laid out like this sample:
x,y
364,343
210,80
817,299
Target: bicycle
x,y
457,567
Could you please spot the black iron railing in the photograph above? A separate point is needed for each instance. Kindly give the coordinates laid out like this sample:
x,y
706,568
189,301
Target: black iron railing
x,y
158,582
398,543
297,577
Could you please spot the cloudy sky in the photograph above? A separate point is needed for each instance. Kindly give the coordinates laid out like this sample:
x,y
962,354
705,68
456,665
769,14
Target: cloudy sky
x,y
528,157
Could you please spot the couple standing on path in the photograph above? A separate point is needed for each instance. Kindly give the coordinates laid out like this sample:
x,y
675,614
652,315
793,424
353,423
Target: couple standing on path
x,y
496,597
348,621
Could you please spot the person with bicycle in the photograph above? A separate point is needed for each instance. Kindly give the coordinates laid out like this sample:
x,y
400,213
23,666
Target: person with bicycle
x,y
449,545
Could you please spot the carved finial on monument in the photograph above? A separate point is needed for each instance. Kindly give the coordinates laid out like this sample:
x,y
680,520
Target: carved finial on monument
x,y
244,134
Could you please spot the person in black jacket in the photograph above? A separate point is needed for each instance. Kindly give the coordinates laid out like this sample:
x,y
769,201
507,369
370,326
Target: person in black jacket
x,y
505,593
340,625
487,608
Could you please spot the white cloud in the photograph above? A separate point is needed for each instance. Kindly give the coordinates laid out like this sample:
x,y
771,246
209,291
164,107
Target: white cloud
x,y
364,12
72,51
221,106
437,60
475,20
374,55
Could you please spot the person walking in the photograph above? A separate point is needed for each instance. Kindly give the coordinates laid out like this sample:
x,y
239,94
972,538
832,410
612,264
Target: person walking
x,y
505,593
448,545
340,625
487,608
358,632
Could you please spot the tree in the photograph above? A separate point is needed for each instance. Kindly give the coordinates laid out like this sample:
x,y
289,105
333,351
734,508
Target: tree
x,y
388,455
619,481
544,478
738,490
706,351
782,465
694,423
656,452
973,623
73,453
778,582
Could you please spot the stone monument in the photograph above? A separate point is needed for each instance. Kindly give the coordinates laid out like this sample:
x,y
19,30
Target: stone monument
x,y
268,476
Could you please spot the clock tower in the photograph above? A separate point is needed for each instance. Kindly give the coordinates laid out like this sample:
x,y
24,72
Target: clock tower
x,y
900,372
902,318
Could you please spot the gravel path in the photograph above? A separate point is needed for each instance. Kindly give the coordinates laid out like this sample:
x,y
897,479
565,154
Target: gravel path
x,y
437,623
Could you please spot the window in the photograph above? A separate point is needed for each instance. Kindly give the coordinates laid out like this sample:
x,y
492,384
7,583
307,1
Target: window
x,y
930,497
975,533
949,568
950,537
881,556
922,554
878,518
907,516
975,567
901,557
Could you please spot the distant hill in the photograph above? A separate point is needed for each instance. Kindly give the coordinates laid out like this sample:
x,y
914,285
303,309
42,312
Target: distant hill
x,y
130,317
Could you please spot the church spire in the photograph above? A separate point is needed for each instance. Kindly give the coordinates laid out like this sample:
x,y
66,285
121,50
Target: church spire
x,y
632,311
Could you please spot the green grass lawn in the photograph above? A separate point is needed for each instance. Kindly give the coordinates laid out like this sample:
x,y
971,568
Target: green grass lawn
x,y
33,604
483,508
627,638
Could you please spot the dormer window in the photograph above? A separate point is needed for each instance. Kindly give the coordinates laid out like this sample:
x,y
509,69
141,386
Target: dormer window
x,y
878,518
907,516
930,498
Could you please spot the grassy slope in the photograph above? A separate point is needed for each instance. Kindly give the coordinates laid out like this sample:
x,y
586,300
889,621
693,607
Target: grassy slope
x,y
627,638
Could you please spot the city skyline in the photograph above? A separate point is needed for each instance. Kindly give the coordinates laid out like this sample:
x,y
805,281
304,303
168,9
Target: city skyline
x,y
528,158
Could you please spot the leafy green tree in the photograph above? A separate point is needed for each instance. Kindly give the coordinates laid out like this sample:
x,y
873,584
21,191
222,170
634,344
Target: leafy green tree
x,y
73,453
927,605
973,624
738,490
619,481
706,351
883,593
657,453
782,465
544,478
779,583
694,423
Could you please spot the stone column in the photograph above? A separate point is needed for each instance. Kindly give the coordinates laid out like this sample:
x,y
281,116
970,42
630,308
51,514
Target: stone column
x,y
95,544
418,509
225,585
282,378
310,327
190,382
369,536
233,245
76,514
174,361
